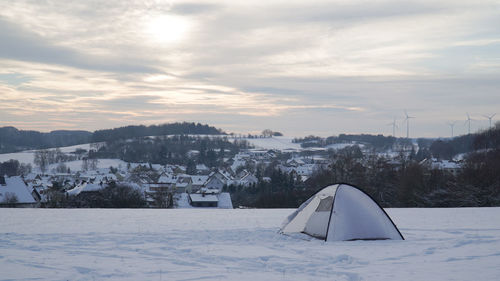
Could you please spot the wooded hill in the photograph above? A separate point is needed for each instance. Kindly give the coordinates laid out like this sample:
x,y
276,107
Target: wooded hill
x,y
14,140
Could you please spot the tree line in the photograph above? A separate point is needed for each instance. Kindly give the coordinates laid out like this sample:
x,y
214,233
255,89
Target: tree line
x,y
178,149
114,195
129,132
14,140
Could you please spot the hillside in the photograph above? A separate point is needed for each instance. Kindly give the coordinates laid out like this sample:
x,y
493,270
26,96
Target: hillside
x,y
14,140
154,130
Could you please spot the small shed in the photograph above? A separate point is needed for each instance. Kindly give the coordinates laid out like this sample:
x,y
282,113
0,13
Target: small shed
x,y
203,200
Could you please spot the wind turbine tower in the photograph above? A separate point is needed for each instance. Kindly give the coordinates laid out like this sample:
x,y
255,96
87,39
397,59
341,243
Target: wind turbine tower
x,y
490,117
394,126
468,120
407,119
452,124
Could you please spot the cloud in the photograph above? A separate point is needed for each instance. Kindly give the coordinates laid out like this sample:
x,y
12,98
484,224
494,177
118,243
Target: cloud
x,y
194,8
303,67
20,44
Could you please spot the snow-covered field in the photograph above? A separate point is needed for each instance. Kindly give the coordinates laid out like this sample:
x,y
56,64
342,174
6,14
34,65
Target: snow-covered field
x,y
279,143
28,156
207,244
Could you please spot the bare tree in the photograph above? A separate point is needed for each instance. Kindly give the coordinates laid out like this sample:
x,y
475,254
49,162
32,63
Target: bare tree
x,y
162,198
85,164
93,163
61,168
42,159
10,199
267,133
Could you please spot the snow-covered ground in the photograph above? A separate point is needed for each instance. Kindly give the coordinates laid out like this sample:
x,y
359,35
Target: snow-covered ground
x,y
101,164
190,244
28,156
279,143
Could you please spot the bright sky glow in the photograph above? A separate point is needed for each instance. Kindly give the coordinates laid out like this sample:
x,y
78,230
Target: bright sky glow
x,y
166,28
299,67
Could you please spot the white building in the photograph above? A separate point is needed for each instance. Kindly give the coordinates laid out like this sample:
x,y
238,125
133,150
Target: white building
x,y
14,192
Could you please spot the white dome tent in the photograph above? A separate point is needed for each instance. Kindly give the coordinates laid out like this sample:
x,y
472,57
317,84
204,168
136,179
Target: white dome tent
x,y
341,212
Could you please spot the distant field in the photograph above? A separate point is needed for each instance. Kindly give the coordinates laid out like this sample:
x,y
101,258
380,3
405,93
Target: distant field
x,y
28,156
206,244
280,143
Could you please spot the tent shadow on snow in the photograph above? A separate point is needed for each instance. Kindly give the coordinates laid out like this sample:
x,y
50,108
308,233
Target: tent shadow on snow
x,y
342,212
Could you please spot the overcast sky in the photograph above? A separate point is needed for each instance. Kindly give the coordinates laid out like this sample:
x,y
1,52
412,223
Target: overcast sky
x,y
299,67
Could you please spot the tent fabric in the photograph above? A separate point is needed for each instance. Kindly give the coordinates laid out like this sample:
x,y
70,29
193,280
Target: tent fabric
x,y
297,221
341,212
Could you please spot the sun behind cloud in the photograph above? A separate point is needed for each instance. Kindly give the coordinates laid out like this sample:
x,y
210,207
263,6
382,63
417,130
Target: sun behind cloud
x,y
167,28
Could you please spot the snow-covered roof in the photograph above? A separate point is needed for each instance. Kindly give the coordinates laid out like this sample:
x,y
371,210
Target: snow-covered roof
x,y
225,201
30,176
237,163
209,190
445,164
85,187
221,174
167,178
199,180
16,186
247,177
306,169
197,197
295,160
201,167
183,181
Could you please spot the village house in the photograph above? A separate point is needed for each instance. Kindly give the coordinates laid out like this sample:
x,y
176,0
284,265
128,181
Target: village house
x,y
202,169
86,188
246,179
184,184
217,180
203,200
165,184
210,199
452,167
198,182
15,193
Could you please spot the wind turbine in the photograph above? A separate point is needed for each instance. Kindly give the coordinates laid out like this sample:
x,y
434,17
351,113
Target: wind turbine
x,y
490,117
407,119
468,120
394,126
452,124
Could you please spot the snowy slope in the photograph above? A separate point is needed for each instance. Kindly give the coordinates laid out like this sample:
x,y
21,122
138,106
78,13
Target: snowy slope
x,y
23,157
28,156
279,143
216,244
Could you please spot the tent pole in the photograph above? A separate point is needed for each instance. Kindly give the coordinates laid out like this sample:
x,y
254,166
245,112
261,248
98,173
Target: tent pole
x,y
331,211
